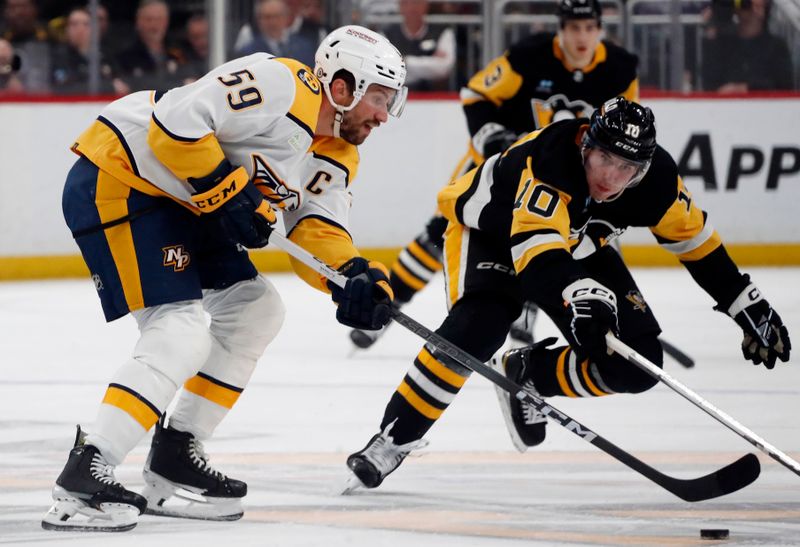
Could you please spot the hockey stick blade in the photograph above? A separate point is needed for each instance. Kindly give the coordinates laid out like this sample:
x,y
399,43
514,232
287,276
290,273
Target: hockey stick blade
x,y
674,352
724,481
727,480
722,417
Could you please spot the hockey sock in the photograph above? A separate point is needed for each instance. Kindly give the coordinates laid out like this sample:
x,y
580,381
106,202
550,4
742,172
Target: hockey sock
x,y
425,392
414,268
558,371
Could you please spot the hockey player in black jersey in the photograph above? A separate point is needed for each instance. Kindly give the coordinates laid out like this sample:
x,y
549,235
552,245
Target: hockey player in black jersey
x,y
543,78
534,224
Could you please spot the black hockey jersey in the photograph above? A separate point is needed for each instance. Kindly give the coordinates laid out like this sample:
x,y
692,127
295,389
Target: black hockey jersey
x,y
535,199
532,85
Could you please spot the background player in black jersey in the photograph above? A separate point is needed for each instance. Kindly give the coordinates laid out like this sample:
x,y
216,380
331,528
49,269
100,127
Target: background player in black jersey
x,y
540,79
533,224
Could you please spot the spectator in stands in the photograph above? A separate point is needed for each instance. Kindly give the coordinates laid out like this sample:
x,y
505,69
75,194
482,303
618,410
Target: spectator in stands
x,y
429,51
9,65
24,31
195,48
71,59
274,36
300,23
149,63
740,54
314,12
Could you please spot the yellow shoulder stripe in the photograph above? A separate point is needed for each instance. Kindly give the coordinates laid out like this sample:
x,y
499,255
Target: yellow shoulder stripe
x,y
307,97
338,152
497,82
329,242
184,157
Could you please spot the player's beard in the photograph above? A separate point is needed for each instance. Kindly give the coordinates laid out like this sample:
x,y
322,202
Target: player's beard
x,y
350,129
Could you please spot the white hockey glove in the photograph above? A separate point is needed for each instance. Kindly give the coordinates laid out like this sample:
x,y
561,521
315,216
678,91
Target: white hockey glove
x,y
594,312
492,139
765,337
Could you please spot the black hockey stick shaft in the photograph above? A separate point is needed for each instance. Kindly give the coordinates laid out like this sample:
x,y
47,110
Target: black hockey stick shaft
x,y
725,419
676,353
729,479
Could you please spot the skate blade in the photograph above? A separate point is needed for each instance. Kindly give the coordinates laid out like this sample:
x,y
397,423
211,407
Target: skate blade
x,y
166,499
351,484
504,398
70,514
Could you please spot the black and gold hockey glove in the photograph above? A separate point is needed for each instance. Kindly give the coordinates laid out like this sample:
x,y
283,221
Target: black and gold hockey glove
x,y
765,337
231,200
366,299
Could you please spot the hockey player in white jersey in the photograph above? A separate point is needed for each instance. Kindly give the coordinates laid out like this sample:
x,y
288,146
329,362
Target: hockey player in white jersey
x,y
169,191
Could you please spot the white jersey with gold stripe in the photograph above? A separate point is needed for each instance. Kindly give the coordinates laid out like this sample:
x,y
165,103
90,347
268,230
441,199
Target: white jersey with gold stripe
x,y
257,111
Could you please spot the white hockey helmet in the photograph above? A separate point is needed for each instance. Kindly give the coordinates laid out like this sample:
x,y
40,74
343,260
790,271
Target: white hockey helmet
x,y
369,57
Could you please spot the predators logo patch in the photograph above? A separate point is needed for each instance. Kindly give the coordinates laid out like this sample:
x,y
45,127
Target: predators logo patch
x,y
177,257
636,298
309,79
274,189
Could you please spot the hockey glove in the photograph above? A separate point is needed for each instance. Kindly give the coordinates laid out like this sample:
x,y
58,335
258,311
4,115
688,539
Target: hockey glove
x,y
231,200
365,301
765,337
498,142
593,308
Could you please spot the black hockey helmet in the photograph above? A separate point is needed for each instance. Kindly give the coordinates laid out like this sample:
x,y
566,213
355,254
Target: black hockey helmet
x,y
624,128
579,9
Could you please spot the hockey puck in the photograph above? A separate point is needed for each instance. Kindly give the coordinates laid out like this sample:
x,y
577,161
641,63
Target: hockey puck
x,y
714,533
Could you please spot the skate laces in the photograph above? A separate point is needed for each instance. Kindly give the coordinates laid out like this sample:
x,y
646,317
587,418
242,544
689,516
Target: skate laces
x,y
102,470
530,414
385,455
199,457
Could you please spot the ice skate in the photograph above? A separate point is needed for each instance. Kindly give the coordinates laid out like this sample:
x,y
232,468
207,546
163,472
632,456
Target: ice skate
x,y
87,496
378,459
179,482
525,424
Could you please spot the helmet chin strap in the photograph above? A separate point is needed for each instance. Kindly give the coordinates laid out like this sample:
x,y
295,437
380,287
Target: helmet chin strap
x,y
338,115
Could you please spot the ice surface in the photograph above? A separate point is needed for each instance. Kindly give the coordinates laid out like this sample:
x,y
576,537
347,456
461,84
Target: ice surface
x,y
313,400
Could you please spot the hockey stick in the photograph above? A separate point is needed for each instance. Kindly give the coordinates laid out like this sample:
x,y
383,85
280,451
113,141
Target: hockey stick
x,y
676,354
729,479
723,418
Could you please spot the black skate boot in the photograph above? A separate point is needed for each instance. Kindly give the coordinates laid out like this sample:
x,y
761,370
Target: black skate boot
x,y
378,459
88,497
521,330
525,424
177,466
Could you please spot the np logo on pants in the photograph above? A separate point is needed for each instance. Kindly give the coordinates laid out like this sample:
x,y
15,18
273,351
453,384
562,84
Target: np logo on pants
x,y
177,257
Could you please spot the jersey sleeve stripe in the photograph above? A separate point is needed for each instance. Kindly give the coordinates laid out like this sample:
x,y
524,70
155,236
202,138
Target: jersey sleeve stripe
x,y
518,251
124,144
184,157
682,247
301,124
335,164
172,135
481,196
321,219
